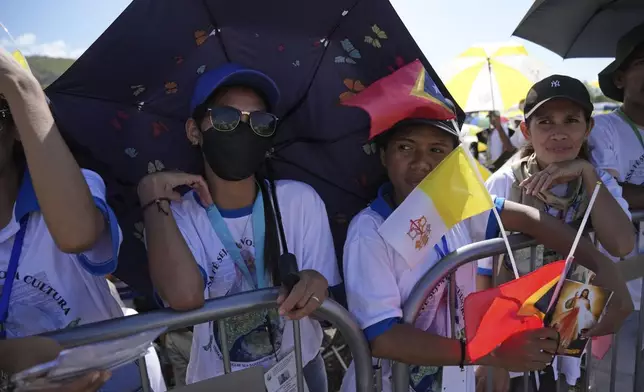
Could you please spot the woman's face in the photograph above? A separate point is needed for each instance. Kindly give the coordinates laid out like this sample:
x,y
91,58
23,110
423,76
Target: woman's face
x,y
412,153
557,131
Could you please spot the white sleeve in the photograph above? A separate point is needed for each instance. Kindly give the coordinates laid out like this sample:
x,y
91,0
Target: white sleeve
x,y
485,226
371,285
602,143
317,251
102,258
615,189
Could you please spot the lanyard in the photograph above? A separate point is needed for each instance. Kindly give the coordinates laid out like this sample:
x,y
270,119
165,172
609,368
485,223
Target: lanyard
x,y
226,238
442,252
634,127
11,275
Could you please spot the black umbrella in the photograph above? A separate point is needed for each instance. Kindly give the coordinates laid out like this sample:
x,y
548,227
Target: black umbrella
x,y
123,104
580,28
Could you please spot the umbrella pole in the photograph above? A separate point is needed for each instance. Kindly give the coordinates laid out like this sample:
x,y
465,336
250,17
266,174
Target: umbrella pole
x,y
489,68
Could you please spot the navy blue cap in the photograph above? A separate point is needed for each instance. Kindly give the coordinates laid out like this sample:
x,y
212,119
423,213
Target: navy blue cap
x,y
233,75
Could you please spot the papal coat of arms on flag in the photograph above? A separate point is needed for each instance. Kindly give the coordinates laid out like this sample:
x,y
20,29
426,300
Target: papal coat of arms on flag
x,y
419,232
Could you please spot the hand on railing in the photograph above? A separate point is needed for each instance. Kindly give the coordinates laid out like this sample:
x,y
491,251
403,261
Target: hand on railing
x,y
305,297
90,382
525,351
25,353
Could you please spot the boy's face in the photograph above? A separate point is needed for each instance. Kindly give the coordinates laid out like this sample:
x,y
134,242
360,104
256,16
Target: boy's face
x,y
411,154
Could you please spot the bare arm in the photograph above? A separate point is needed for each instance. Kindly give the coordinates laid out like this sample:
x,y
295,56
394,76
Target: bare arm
x,y
528,350
408,344
505,139
173,268
612,226
74,221
559,237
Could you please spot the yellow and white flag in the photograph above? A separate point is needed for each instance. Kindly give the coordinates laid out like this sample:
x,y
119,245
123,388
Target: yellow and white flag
x,y
451,193
9,44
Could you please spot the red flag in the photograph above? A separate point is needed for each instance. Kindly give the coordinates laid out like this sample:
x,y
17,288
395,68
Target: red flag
x,y
493,315
407,93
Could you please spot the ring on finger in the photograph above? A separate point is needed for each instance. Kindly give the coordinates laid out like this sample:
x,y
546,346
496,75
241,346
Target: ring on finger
x,y
316,298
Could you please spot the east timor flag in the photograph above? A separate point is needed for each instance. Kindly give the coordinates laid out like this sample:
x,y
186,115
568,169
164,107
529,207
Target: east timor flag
x,y
493,315
407,93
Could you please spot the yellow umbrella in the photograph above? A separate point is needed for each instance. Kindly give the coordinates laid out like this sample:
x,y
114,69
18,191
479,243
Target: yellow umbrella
x,y
492,76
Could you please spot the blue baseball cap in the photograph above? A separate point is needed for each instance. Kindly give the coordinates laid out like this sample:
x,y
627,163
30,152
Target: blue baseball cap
x,y
232,74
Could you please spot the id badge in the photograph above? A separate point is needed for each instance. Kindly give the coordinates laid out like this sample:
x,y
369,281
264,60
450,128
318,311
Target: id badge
x,y
454,379
282,377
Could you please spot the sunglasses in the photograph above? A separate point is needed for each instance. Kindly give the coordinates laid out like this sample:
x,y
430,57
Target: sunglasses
x,y
226,119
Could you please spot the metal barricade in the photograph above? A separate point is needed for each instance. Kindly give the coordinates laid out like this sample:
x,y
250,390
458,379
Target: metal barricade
x,y
480,250
219,309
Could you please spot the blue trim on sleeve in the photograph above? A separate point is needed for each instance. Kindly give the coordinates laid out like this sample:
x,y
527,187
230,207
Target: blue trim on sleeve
x,y
484,271
380,205
108,266
158,298
493,230
26,202
377,329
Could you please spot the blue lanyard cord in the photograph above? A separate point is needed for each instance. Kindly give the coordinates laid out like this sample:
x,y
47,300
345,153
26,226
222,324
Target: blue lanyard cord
x,y
259,233
16,250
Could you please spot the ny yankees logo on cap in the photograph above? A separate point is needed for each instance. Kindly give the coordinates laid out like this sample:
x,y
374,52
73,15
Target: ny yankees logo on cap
x,y
555,83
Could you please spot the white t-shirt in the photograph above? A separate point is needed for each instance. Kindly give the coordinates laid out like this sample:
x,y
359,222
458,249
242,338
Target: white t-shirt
x,y
614,146
495,145
54,290
378,281
500,183
309,238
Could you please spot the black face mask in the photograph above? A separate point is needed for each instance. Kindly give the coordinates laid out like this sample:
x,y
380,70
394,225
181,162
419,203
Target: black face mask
x,y
235,155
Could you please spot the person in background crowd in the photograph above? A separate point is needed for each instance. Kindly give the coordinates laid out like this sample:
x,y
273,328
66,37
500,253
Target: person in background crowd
x,y
23,353
378,280
222,238
501,141
617,146
553,174
58,236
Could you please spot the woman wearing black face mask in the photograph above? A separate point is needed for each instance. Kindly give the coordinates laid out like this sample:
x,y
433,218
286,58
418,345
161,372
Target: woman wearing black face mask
x,y
221,239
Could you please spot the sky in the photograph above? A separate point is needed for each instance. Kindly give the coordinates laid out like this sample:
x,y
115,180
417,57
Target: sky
x,y
442,29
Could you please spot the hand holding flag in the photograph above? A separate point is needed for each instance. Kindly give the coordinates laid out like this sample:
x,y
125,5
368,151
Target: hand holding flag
x,y
494,315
